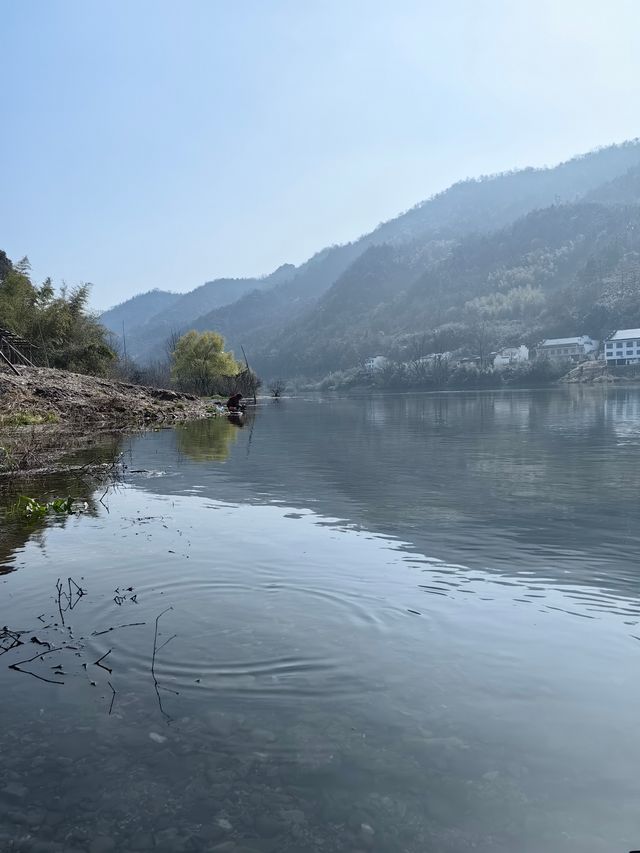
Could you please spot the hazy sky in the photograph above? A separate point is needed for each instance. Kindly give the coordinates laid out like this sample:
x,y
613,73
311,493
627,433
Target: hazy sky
x,y
148,143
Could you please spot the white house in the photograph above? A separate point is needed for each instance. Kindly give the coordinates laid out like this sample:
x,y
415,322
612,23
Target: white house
x,y
568,349
376,362
509,356
623,347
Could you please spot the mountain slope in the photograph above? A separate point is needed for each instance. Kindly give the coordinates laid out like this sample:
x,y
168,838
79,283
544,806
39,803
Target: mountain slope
x,y
147,339
276,318
489,203
137,310
567,269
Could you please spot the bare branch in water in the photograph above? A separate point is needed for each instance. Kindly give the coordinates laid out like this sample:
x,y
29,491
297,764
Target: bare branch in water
x,y
116,628
100,664
153,662
166,642
113,698
17,666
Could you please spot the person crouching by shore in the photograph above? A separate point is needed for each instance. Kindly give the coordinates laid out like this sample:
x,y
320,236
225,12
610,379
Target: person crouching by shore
x,y
234,404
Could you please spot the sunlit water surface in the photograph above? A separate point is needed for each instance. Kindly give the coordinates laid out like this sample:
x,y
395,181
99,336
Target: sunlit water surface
x,y
391,623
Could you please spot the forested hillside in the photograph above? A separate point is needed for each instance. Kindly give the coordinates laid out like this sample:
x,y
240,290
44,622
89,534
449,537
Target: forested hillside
x,y
148,319
491,261
564,270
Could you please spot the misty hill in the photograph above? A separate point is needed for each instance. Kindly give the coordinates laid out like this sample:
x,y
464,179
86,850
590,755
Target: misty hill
x,y
408,276
491,202
149,318
623,189
137,310
148,340
567,269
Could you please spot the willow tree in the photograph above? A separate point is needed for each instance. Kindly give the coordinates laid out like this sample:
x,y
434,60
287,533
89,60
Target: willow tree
x,y
199,362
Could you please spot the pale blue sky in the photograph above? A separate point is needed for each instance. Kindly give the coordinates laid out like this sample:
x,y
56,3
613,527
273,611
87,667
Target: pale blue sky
x,y
149,143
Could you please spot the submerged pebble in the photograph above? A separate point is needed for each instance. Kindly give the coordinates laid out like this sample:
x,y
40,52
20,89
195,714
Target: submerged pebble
x,y
156,737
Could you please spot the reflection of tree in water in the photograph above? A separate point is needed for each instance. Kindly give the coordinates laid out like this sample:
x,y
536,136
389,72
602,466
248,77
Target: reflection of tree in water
x,y
82,484
207,441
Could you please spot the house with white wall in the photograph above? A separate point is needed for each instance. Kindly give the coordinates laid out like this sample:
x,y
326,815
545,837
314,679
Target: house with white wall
x,y
568,349
623,347
510,356
375,362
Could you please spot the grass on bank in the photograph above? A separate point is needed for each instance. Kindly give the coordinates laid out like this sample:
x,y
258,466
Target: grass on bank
x,y
19,419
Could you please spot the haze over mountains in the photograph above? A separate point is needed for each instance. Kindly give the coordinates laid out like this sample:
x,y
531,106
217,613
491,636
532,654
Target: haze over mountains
x,y
503,259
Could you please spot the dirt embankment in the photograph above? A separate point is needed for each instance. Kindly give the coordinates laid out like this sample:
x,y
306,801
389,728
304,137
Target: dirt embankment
x,y
76,400
45,414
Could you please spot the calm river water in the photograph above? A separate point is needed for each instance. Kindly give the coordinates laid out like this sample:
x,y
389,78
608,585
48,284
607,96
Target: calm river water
x,y
393,623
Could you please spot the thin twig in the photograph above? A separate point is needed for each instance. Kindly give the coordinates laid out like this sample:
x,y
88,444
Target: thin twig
x,y
113,698
166,642
116,627
13,636
100,664
59,588
16,666
153,663
35,657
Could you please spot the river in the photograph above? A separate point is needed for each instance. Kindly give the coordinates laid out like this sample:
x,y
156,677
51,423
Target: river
x,y
395,623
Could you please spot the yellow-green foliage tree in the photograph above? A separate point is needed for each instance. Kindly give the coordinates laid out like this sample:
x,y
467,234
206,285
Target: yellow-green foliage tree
x,y
199,362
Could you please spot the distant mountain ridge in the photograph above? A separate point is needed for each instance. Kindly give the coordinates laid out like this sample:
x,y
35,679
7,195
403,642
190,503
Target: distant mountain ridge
x,y
172,310
137,310
401,279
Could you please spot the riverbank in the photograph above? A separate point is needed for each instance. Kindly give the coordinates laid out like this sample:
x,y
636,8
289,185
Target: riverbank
x,y
46,412
601,373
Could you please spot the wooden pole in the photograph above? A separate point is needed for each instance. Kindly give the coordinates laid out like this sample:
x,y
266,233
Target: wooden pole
x,y
18,353
4,358
249,370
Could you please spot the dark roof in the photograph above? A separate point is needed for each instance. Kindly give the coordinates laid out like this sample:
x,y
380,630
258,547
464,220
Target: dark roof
x,y
13,338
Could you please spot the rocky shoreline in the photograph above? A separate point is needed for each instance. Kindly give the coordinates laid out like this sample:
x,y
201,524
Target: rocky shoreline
x,y
599,373
45,412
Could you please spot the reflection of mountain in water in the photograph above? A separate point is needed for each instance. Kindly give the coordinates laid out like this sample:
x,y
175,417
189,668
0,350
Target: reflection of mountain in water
x,y
513,482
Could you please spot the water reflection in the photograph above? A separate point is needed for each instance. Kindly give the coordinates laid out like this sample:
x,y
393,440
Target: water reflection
x,y
508,483
81,475
207,440
398,624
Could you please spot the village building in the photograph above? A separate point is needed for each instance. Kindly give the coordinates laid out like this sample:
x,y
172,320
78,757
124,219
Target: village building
x,y
568,349
375,362
510,356
623,347
432,358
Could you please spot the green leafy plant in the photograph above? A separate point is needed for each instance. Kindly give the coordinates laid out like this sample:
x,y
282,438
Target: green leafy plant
x,y
32,509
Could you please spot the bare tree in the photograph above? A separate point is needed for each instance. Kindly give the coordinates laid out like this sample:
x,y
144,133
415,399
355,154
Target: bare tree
x,y
171,343
277,387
